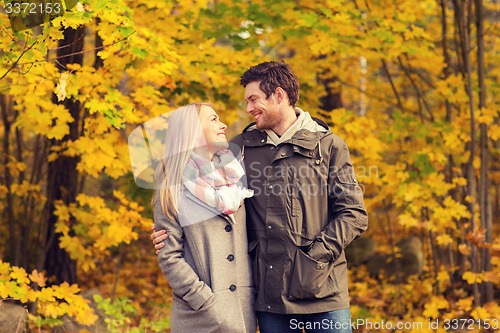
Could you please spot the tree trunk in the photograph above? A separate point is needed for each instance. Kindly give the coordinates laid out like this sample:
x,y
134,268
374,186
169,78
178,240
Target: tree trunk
x,y
462,22
6,108
62,182
484,193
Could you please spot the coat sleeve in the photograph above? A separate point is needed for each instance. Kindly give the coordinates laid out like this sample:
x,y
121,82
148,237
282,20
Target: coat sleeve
x,y
181,277
348,218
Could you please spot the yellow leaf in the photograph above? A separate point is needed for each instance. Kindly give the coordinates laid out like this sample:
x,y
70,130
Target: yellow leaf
x,y
436,303
464,249
471,277
487,116
494,132
4,270
465,304
411,191
4,290
460,181
443,276
480,313
493,308
46,295
407,220
20,275
444,240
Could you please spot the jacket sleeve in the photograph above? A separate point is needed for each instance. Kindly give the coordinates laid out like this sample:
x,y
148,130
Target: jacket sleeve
x,y
181,277
348,218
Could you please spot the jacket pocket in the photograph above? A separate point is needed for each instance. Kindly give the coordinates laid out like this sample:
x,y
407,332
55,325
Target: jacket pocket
x,y
347,186
312,279
217,314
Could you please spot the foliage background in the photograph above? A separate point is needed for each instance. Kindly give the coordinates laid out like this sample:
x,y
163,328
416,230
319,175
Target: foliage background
x,y
410,85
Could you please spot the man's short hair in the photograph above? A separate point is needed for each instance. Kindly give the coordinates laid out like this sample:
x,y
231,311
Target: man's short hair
x,y
271,75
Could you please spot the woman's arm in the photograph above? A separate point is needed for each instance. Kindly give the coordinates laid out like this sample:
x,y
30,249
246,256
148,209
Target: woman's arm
x,y
183,280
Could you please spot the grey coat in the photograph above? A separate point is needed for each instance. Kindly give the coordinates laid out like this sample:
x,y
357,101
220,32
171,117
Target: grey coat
x,y
208,268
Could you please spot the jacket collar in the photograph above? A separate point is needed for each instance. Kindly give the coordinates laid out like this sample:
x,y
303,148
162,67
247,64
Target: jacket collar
x,y
304,137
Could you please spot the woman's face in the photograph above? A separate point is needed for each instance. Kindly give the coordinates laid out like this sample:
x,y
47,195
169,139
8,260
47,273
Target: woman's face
x,y
213,129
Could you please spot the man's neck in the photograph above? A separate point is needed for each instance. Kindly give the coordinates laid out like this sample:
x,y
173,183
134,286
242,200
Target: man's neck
x,y
290,117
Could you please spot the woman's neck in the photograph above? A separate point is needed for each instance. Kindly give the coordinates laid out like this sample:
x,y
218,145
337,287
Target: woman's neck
x,y
204,152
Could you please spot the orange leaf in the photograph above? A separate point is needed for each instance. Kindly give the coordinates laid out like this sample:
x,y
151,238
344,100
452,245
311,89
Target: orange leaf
x,y
38,278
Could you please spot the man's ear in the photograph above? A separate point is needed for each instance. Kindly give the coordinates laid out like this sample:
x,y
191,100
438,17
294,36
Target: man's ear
x,y
280,94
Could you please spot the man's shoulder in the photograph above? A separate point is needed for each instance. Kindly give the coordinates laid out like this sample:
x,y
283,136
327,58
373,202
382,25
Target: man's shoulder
x,y
321,123
237,140
249,134
333,139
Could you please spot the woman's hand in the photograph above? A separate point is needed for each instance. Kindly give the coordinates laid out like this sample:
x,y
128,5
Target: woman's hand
x,y
158,237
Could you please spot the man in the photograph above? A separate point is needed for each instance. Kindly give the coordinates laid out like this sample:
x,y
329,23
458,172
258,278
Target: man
x,y
306,209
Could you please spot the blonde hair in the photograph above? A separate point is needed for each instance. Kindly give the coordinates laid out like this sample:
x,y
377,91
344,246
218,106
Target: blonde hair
x,y
183,135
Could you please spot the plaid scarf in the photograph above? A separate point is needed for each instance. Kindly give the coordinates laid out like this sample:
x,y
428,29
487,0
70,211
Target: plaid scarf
x,y
216,182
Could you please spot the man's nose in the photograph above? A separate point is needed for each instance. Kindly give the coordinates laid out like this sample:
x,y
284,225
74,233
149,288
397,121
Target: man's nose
x,y
249,107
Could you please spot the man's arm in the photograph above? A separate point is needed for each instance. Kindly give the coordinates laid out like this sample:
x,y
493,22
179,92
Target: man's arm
x,y
347,212
158,237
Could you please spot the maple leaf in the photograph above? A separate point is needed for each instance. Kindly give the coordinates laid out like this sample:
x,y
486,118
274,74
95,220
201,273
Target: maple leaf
x,y
481,313
38,278
4,270
472,277
444,240
20,275
432,307
477,237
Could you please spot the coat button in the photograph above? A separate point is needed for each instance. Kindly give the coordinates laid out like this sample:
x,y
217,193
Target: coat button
x,y
270,187
262,140
269,227
232,287
270,266
283,154
268,307
228,228
230,257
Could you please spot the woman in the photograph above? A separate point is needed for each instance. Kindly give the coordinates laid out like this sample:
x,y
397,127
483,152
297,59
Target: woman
x,y
205,259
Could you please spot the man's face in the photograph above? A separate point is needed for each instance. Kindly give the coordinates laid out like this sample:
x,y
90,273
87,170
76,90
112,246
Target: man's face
x,y
265,111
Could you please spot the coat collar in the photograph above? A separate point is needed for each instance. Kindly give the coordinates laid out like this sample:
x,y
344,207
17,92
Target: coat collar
x,y
304,138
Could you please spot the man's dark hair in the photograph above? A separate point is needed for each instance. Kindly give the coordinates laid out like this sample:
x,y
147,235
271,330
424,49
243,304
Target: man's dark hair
x,y
273,74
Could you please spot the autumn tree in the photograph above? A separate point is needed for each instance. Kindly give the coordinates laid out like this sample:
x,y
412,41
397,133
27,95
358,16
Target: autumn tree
x,y
409,85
